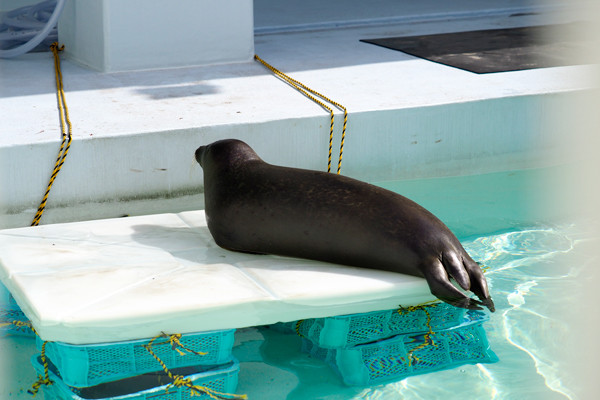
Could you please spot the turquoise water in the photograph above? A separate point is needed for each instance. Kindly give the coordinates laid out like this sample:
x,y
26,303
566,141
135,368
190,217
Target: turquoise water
x,y
529,273
505,221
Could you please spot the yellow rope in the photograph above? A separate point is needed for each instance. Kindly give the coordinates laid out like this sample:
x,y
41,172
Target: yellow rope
x,y
176,344
302,88
298,324
21,325
66,136
179,380
42,380
427,340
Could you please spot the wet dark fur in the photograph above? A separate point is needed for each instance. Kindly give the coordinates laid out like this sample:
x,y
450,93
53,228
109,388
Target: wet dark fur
x,y
252,206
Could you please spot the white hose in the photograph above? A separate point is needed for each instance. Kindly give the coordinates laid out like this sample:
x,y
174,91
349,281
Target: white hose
x,y
36,38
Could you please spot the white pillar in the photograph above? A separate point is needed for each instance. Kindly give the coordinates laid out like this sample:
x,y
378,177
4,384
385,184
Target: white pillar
x,y
121,35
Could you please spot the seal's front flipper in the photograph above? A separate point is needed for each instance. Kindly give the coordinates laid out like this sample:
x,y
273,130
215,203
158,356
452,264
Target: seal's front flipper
x,y
479,285
443,289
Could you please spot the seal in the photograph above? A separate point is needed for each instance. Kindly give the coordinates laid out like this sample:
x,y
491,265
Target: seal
x,y
256,207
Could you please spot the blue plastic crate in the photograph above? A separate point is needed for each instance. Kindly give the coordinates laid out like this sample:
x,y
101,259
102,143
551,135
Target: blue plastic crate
x,y
406,355
223,378
89,365
350,330
9,313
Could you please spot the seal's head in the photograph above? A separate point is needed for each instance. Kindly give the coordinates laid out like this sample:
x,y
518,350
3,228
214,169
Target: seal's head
x,y
225,152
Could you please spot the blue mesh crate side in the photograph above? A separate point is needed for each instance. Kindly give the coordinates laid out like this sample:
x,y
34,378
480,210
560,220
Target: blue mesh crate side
x,y
313,329
7,317
368,334
444,316
10,312
372,318
223,380
346,331
353,329
304,327
441,316
406,355
4,296
470,345
365,364
428,357
385,360
393,367
89,365
72,362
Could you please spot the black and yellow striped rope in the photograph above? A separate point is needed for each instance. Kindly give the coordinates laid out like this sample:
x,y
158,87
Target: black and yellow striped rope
x,y
178,380
22,326
181,381
427,340
305,90
42,380
297,327
176,344
65,124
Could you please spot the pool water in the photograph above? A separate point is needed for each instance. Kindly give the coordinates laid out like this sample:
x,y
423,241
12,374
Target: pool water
x,y
529,272
535,257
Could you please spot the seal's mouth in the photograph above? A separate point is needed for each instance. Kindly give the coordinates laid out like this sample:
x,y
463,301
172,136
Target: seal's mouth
x,y
199,154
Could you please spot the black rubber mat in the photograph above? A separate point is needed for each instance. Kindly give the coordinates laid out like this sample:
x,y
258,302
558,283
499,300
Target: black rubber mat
x,y
497,50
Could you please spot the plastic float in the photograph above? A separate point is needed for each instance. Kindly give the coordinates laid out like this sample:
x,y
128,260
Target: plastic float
x,y
220,380
406,355
135,277
100,293
389,345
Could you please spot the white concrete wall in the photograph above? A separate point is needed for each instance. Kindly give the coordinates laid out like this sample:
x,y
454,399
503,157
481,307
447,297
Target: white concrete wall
x,y
119,35
156,172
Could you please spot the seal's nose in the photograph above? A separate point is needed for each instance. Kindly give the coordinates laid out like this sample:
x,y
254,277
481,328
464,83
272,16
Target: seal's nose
x,y
199,153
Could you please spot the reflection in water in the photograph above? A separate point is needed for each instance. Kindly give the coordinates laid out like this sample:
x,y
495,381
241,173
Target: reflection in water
x,y
533,275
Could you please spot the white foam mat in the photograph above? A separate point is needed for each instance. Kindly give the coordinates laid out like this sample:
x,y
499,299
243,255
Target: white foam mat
x,y
134,277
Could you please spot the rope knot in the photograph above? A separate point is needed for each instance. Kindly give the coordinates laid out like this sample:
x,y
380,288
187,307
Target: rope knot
x,y
55,48
176,344
42,380
179,381
38,384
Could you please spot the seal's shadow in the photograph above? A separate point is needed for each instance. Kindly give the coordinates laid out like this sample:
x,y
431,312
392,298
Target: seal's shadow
x,y
196,245
193,244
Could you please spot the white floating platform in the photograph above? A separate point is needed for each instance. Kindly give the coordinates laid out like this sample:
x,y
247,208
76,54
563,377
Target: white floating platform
x,y
128,278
